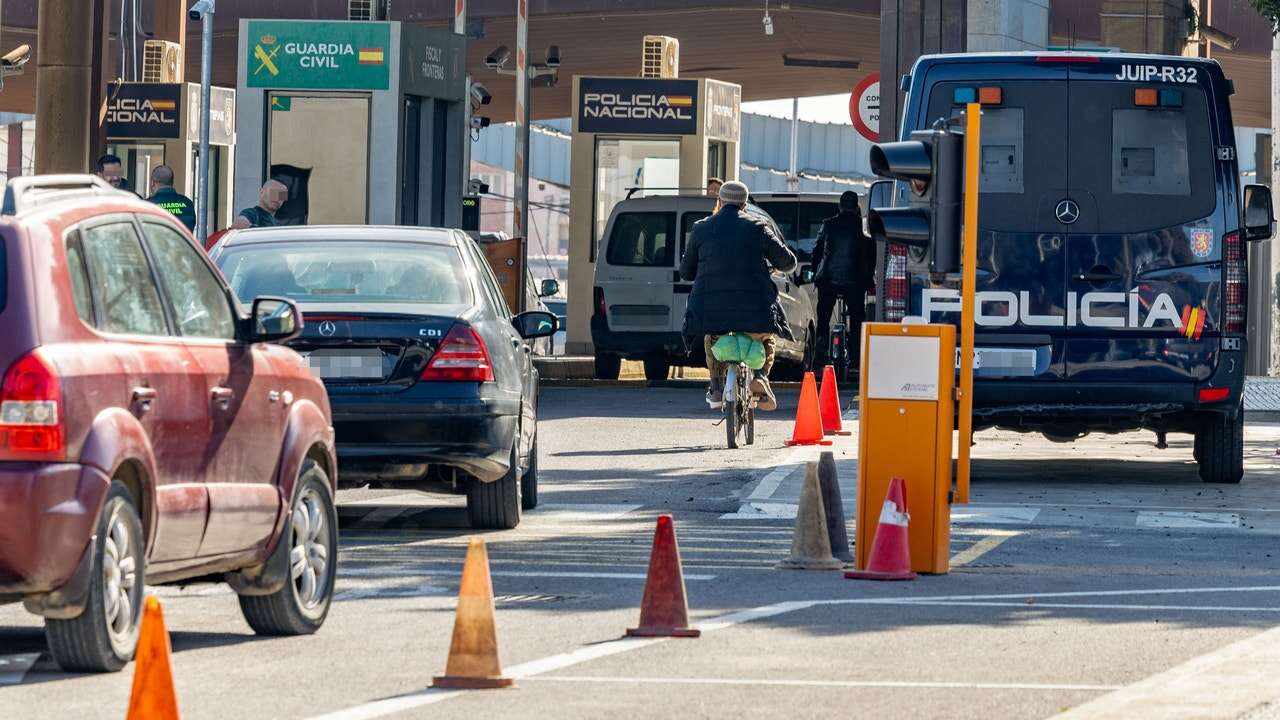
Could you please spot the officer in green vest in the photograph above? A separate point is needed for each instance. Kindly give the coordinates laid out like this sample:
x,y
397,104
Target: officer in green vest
x,y
163,194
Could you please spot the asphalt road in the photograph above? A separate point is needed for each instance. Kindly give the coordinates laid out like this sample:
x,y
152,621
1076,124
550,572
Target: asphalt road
x,y
1080,570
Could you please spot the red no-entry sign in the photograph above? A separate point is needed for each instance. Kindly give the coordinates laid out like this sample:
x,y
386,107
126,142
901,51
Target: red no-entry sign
x,y
864,107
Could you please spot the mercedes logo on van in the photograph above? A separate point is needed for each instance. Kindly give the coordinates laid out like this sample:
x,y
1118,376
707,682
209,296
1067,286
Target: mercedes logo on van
x,y
1067,212
327,328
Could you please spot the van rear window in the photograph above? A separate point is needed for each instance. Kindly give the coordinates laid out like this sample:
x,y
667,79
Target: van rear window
x,y
1149,153
643,239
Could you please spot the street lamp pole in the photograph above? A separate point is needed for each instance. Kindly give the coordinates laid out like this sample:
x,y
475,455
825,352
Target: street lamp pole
x,y
203,11
522,145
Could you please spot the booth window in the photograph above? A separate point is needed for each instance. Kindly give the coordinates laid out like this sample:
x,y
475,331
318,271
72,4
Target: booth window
x,y
319,148
653,165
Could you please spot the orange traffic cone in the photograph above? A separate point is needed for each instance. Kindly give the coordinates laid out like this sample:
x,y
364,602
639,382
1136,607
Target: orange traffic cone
x,y
664,611
890,554
473,654
153,697
808,430
829,403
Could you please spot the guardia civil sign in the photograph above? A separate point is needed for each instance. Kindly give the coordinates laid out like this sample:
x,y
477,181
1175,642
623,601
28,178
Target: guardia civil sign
x,y
310,55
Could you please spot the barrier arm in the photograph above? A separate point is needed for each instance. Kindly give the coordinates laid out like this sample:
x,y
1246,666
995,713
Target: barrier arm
x,y
968,280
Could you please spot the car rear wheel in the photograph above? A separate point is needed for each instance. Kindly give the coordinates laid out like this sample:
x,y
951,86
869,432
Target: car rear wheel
x,y
104,637
529,481
496,505
656,369
300,607
1220,440
608,367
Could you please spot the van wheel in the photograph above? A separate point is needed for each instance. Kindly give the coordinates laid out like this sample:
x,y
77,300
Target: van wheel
x,y
104,637
656,369
608,367
1220,439
301,605
496,505
529,481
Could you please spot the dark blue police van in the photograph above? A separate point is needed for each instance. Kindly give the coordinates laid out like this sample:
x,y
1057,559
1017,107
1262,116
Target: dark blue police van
x,y
1112,249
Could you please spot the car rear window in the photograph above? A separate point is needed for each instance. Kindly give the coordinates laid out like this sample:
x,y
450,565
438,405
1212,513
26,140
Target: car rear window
x,y
642,239
348,271
800,222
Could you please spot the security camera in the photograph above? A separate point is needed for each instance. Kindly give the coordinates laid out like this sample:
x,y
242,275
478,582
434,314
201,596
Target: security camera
x,y
480,95
768,25
498,58
13,60
553,56
479,122
200,9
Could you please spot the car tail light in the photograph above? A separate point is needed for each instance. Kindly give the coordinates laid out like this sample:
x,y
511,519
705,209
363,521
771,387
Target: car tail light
x,y
461,357
895,282
601,310
1236,292
1214,394
30,424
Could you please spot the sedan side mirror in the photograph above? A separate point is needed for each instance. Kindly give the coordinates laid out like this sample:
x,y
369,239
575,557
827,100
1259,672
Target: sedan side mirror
x,y
275,320
1259,217
535,324
550,286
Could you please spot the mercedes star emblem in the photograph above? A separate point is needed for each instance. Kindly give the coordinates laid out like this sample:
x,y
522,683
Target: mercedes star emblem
x,y
1067,212
327,328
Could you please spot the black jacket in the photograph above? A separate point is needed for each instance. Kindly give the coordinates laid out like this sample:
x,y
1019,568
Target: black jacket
x,y
728,260
178,204
844,255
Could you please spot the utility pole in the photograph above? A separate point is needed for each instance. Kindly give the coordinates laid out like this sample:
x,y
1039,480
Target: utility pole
x,y
460,28
522,145
205,8
64,86
1274,366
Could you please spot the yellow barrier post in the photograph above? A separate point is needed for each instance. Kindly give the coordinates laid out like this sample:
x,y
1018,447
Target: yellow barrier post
x,y
968,279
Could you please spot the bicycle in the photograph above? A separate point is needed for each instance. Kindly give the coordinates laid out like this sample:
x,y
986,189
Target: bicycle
x,y
839,354
739,405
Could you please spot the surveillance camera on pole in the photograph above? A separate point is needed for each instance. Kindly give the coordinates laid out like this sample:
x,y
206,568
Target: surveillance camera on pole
x,y
497,59
553,56
479,95
199,9
932,165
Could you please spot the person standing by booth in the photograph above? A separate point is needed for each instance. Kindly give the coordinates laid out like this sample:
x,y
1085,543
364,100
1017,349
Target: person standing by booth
x,y
845,262
164,195
270,197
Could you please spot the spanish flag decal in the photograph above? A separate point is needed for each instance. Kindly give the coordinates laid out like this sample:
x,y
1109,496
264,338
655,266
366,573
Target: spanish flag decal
x,y
1192,322
371,56
680,100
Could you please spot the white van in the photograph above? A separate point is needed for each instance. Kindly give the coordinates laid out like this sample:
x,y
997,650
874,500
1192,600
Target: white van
x,y
639,299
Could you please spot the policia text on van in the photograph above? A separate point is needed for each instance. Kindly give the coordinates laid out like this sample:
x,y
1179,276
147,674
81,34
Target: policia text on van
x,y
1112,239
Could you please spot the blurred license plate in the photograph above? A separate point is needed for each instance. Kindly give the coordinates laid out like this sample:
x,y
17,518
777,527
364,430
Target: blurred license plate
x,y
356,364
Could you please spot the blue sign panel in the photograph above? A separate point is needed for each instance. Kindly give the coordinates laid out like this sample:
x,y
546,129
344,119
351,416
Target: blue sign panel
x,y
640,106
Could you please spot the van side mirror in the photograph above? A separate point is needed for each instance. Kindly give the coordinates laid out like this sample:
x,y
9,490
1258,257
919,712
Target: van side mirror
x,y
1259,217
275,320
550,286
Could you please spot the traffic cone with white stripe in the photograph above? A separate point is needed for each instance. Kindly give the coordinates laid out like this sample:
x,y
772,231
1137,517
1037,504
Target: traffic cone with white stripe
x,y
890,557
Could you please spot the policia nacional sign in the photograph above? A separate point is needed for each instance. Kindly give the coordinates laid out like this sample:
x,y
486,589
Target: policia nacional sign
x,y
144,110
638,105
298,54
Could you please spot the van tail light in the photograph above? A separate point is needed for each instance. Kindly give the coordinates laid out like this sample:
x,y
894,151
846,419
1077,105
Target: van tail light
x,y
895,282
1237,290
601,310
461,357
1217,394
30,423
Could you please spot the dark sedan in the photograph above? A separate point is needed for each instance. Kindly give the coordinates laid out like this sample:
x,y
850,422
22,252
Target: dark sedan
x,y
429,374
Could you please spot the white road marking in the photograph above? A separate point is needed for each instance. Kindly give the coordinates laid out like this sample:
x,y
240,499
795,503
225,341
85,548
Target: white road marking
x,y
401,499
763,511
13,668
371,572
1032,604
582,511
1225,683
994,515
1170,519
923,684
1077,593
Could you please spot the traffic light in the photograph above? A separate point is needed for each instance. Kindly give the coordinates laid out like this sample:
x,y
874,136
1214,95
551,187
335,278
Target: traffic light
x,y
932,165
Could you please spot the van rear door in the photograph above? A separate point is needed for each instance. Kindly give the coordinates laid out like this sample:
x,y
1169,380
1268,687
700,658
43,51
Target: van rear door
x,y
639,271
1144,223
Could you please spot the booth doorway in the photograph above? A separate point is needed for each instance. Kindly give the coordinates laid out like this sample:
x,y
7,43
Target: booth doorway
x,y
318,145
425,143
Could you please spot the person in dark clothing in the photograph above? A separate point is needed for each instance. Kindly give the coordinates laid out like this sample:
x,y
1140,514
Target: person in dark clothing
x,y
728,259
270,197
845,261
164,195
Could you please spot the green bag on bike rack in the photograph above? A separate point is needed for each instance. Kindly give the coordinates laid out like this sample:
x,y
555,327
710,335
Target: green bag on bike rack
x,y
736,347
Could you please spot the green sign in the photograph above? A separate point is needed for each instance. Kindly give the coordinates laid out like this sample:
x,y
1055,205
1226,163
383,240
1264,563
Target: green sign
x,y
319,55
282,104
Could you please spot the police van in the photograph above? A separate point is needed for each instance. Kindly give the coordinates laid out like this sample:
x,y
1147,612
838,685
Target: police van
x,y
1112,245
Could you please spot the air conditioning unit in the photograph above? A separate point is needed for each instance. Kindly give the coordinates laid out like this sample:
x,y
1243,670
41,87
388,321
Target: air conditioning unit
x,y
368,9
161,61
661,57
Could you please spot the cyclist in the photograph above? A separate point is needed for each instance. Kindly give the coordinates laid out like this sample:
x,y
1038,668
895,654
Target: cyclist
x,y
728,259
845,260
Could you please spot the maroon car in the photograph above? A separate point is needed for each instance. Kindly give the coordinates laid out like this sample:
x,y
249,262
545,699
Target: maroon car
x,y
149,430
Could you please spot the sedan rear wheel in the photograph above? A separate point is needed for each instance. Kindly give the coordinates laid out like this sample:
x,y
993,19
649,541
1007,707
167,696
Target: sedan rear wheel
x,y
496,505
104,637
529,481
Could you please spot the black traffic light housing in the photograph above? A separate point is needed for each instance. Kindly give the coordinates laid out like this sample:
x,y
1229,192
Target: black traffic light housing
x,y
932,165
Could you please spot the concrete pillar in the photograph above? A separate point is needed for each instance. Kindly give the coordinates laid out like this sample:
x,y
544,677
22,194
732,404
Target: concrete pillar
x,y
64,85
1001,25
1148,26
909,29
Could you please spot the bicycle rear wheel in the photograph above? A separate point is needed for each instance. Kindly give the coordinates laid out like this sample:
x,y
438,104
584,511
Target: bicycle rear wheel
x,y
731,423
750,426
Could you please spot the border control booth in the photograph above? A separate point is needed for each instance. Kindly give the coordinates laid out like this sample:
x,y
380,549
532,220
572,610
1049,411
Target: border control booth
x,y
638,137
363,122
